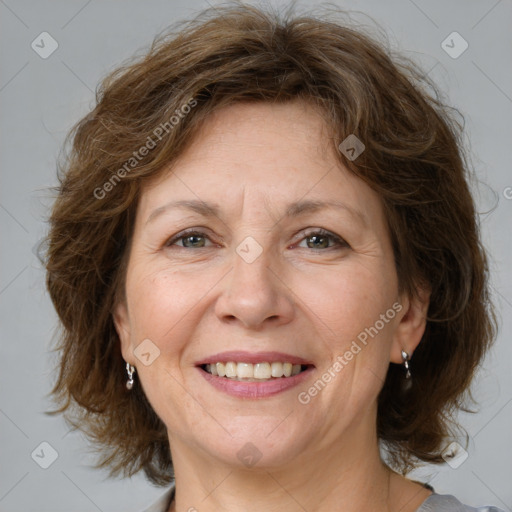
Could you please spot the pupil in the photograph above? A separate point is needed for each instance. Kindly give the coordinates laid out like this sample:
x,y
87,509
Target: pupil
x,y
317,238
193,239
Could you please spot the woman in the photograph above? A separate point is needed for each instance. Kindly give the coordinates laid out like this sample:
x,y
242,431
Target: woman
x,y
266,261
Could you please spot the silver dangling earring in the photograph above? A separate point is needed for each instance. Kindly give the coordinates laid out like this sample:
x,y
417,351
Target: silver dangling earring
x,y
405,360
130,370
407,383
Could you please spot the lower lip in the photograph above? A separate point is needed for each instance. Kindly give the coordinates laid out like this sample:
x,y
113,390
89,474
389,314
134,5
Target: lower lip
x,y
241,389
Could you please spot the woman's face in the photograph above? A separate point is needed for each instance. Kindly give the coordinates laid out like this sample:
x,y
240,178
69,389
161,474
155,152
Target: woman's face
x,y
258,242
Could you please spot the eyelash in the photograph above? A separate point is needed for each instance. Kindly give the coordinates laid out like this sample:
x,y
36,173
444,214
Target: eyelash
x,y
322,232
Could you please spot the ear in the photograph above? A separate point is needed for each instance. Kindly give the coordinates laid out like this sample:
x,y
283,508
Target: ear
x,y
411,326
122,325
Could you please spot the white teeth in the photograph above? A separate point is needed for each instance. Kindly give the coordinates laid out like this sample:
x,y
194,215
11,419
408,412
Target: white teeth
x,y
244,370
230,369
221,369
249,371
277,370
261,371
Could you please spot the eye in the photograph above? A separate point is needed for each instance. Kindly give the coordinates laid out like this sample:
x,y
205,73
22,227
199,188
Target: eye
x,y
317,240
189,239
321,239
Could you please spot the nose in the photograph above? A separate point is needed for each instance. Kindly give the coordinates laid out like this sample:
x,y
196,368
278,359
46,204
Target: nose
x,y
255,295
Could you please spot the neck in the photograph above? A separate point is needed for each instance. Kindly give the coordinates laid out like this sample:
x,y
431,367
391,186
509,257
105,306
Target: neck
x,y
348,474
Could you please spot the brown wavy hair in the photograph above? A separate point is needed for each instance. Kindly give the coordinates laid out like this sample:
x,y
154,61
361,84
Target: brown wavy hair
x,y
414,158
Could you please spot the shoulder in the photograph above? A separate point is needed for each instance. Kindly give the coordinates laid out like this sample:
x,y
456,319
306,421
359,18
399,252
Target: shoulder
x,y
163,503
448,503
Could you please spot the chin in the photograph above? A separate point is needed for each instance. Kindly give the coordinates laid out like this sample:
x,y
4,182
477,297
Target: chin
x,y
257,442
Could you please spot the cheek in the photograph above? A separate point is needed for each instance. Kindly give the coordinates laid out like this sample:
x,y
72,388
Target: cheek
x,y
345,302
160,305
161,300
354,315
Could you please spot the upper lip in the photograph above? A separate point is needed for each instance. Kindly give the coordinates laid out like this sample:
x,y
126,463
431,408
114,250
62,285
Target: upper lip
x,y
241,356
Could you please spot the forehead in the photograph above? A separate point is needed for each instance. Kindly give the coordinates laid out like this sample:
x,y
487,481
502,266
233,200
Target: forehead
x,y
275,153
245,132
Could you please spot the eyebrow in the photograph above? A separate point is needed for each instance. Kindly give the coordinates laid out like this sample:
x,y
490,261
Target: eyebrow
x,y
300,207
200,207
292,210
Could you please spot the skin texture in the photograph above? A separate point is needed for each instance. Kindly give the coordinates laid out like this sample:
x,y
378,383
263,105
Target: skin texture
x,y
253,160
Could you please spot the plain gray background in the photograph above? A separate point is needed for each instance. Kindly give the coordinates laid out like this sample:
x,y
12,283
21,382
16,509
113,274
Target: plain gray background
x,y
40,100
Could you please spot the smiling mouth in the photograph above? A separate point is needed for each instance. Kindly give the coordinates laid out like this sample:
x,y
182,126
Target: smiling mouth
x,y
259,372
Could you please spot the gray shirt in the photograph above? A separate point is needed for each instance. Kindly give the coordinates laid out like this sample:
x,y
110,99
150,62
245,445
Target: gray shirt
x,y
434,503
